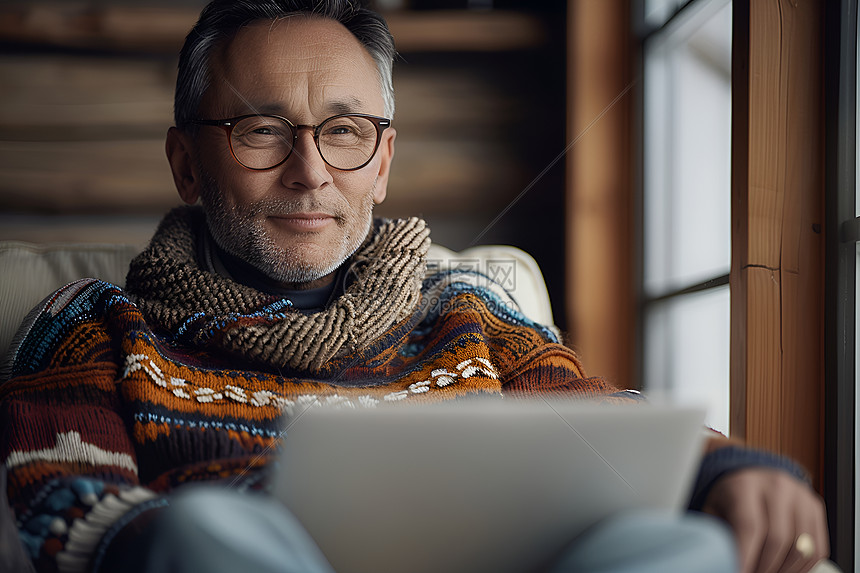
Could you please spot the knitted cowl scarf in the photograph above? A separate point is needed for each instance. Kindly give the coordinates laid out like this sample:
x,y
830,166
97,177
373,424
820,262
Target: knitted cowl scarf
x,y
207,310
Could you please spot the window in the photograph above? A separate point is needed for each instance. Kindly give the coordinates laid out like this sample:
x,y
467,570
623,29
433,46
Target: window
x,y
686,203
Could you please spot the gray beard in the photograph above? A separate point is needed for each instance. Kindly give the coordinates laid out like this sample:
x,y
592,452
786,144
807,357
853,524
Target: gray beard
x,y
239,231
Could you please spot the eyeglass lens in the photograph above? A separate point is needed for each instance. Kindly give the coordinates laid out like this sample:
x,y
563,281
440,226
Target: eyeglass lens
x,y
345,142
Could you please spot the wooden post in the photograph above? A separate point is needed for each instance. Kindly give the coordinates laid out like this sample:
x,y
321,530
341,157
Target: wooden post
x,y
777,278
600,229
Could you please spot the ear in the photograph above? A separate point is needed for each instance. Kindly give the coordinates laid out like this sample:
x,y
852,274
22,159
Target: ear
x,y
179,148
386,154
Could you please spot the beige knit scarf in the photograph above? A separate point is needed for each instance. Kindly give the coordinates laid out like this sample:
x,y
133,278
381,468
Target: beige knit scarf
x,y
174,292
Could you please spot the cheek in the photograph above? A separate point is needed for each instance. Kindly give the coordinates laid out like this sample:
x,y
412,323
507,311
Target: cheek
x,y
236,184
355,186
242,186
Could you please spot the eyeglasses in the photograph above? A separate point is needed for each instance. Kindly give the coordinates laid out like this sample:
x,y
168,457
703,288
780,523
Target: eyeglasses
x,y
259,142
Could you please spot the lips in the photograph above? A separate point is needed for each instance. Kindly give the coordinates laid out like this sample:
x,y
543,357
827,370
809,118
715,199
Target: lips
x,y
304,222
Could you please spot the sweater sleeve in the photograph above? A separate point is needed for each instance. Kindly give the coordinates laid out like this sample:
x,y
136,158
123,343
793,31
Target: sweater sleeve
x,y
554,370
72,467
730,457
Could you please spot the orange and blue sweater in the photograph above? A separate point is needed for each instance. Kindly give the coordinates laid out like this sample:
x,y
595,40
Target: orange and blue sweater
x,y
114,397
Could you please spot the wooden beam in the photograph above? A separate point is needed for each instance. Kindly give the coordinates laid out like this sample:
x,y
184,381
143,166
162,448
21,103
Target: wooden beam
x,y
777,274
84,134
600,230
162,29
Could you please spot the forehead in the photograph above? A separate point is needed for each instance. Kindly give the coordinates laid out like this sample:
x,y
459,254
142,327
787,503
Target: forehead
x,y
298,63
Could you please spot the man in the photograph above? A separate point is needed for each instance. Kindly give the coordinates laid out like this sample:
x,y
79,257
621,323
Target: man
x,y
283,291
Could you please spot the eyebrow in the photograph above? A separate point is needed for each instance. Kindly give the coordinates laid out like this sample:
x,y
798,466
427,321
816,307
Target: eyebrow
x,y
336,107
345,106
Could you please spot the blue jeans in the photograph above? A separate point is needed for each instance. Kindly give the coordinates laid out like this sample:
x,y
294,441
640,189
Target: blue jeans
x,y
214,530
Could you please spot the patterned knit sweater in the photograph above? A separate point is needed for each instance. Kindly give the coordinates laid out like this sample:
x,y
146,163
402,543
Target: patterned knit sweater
x,y
114,397
117,396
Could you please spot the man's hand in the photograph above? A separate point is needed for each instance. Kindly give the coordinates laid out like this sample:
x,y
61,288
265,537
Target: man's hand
x,y
768,510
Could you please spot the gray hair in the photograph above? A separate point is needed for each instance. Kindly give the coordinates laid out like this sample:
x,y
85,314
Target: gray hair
x,y
221,19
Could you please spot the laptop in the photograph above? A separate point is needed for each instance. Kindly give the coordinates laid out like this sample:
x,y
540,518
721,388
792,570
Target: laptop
x,y
479,485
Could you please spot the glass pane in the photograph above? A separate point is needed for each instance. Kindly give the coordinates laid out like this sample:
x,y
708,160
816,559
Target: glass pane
x,y
687,353
657,12
687,153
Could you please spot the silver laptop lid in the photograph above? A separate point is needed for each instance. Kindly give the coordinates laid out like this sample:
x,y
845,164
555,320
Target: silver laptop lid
x,y
481,485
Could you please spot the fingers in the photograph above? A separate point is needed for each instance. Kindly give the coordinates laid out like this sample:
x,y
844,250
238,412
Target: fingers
x,y
779,519
793,510
810,523
821,535
734,501
768,510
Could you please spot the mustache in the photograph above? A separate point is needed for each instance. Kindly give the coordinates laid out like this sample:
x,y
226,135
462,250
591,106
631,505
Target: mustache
x,y
286,207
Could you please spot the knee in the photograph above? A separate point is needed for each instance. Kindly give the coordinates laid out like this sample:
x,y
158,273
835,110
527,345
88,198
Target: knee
x,y
198,507
701,532
216,529
653,542
691,539
210,514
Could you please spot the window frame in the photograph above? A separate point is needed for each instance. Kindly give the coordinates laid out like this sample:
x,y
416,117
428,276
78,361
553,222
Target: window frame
x,y
843,235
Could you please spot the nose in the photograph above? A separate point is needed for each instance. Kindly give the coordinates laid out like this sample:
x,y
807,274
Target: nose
x,y
305,169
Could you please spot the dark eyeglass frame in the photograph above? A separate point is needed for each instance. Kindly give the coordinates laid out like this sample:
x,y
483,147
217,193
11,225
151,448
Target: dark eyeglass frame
x,y
380,123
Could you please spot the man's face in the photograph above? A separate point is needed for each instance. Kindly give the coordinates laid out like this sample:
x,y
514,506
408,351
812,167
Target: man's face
x,y
300,221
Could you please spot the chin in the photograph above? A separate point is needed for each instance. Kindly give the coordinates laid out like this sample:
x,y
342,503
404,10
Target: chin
x,y
296,264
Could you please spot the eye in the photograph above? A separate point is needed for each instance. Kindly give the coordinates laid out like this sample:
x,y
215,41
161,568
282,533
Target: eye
x,y
260,126
261,132
348,131
341,128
